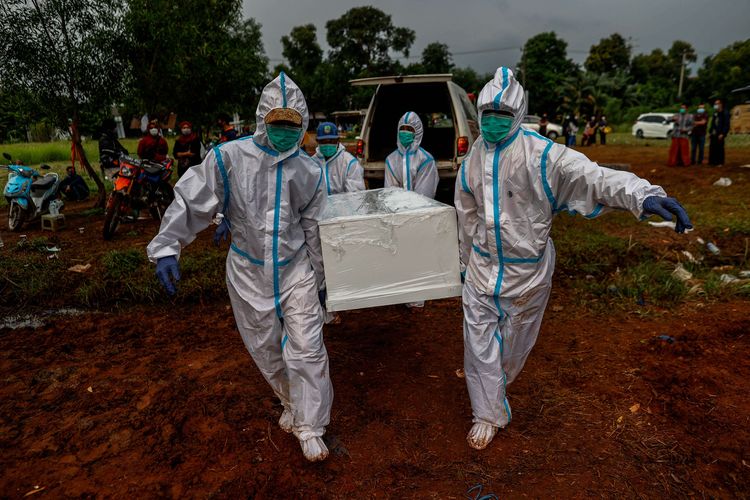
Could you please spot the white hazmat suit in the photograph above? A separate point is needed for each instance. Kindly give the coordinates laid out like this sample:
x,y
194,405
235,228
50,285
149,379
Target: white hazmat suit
x,y
342,172
414,168
274,269
506,197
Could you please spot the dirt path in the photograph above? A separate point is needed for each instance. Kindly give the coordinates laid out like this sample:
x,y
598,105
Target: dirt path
x,y
176,407
162,402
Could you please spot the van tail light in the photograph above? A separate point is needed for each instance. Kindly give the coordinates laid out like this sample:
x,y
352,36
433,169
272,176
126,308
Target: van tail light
x,y
462,144
360,147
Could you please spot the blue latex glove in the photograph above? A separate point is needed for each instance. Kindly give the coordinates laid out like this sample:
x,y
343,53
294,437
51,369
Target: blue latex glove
x,y
221,232
322,296
665,207
167,269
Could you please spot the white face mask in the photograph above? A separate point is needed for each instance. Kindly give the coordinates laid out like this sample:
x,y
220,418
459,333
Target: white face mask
x,y
186,131
153,131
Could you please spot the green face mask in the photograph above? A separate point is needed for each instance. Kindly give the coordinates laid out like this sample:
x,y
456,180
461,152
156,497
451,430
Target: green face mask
x,y
405,138
328,150
495,128
283,138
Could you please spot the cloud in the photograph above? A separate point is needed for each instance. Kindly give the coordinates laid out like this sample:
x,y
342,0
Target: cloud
x,y
474,25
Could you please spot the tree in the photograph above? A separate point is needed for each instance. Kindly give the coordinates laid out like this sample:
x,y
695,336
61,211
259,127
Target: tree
x,y
723,72
470,80
436,58
362,39
544,68
646,67
212,52
305,66
588,92
302,51
609,55
67,54
657,74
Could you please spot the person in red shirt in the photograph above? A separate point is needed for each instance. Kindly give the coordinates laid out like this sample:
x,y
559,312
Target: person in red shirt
x,y
187,148
152,146
228,133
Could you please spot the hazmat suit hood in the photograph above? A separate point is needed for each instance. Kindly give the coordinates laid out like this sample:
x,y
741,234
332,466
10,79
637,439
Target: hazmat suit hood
x,y
281,92
504,93
410,118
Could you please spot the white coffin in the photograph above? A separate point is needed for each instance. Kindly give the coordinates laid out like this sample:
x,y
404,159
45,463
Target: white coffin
x,y
388,246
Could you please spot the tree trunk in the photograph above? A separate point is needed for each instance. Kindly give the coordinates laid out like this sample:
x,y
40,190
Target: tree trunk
x,y
81,154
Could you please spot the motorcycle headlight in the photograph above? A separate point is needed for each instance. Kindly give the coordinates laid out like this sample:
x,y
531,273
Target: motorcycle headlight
x,y
126,171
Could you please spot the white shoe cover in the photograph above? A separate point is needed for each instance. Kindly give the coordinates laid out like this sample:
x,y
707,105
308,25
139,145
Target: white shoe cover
x,y
286,422
314,449
481,435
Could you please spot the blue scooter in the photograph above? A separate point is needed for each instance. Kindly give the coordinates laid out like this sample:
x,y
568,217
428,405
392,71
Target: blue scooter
x,y
28,193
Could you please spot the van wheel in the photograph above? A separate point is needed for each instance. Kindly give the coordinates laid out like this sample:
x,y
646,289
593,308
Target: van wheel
x,y
639,133
552,135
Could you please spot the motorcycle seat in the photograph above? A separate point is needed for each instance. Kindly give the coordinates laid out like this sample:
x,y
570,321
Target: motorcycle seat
x,y
43,183
153,169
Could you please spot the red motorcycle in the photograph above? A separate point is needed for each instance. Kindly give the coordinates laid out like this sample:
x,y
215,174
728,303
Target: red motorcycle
x,y
138,184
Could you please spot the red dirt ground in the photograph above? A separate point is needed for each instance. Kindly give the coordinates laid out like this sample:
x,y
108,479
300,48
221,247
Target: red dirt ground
x,y
167,403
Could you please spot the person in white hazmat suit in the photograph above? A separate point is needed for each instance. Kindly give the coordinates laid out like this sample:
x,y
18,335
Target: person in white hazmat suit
x,y
411,167
271,194
508,190
342,172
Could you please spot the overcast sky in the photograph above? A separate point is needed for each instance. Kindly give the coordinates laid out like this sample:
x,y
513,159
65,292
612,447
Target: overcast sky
x,y
483,25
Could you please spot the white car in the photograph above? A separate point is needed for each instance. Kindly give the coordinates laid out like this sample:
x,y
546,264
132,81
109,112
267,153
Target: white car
x,y
658,125
531,122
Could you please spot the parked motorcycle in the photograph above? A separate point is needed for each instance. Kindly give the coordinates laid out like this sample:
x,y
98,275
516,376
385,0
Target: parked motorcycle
x,y
138,184
28,193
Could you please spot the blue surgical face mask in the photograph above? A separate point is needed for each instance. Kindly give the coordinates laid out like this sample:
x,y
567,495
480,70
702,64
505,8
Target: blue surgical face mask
x,y
716,107
406,138
328,150
683,111
701,110
495,128
283,138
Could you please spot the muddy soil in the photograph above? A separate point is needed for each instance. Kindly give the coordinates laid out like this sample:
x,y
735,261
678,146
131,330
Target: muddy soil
x,y
166,402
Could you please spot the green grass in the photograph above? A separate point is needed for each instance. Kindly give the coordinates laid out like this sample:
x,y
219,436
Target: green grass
x,y
36,153
626,138
607,271
117,278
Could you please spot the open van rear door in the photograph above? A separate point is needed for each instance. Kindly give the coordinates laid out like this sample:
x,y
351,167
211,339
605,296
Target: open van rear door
x,y
390,80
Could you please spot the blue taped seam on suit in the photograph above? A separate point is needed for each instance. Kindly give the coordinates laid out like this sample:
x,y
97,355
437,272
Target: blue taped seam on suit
x,y
224,177
257,262
498,241
505,378
496,102
424,163
283,88
265,149
388,164
351,162
408,172
595,212
464,185
277,207
480,251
